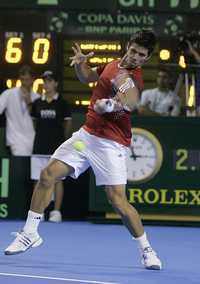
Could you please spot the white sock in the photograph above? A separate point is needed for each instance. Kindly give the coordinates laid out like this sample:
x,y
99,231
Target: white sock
x,y
142,241
32,222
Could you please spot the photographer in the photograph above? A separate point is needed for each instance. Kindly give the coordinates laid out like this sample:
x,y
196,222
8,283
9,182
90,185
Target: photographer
x,y
193,52
189,46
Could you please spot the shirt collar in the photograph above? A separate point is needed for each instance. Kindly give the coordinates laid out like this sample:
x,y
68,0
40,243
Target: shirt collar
x,y
55,97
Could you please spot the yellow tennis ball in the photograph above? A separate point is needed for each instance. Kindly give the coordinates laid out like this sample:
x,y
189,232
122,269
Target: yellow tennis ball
x,y
79,145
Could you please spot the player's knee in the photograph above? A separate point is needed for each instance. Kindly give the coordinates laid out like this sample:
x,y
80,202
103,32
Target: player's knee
x,y
118,202
46,178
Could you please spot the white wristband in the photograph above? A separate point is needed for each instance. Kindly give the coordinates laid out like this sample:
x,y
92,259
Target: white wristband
x,y
109,105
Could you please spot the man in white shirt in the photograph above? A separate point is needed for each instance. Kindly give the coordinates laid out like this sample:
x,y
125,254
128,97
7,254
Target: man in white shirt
x,y
160,101
16,103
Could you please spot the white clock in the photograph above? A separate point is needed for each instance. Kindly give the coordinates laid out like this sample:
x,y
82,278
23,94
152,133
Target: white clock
x,y
144,157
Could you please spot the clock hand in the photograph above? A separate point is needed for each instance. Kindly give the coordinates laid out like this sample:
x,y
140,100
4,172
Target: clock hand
x,y
144,156
135,156
132,153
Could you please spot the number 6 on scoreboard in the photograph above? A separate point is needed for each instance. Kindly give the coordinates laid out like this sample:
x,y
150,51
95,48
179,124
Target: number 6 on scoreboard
x,y
13,50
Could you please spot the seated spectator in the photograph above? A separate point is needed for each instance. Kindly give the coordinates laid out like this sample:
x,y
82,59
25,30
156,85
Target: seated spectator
x,y
161,101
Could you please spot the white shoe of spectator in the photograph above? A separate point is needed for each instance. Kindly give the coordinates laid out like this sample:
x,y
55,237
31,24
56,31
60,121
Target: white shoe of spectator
x,y
55,216
150,259
22,242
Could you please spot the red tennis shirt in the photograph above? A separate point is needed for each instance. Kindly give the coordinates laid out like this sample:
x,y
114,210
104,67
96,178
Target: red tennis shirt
x,y
115,126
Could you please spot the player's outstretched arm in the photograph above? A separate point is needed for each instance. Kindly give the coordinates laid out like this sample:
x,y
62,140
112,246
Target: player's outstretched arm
x,y
83,71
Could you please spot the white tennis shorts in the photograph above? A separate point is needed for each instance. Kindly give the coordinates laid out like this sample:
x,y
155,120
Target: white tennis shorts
x,y
38,163
107,158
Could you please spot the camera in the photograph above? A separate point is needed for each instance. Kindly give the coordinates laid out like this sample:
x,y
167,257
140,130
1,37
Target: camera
x,y
183,47
192,37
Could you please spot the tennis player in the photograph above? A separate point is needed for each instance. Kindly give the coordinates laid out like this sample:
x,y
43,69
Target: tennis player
x,y
104,137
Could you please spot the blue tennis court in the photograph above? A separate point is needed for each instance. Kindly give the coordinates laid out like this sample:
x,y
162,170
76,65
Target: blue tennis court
x,y
82,252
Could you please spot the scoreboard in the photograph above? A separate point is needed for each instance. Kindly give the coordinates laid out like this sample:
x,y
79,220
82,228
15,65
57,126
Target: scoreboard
x,y
105,51
25,39
18,48
77,93
14,47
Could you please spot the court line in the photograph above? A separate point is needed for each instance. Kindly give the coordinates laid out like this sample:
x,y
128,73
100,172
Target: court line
x,y
55,278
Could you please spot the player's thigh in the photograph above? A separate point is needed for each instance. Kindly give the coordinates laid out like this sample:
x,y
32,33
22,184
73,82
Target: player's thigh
x,y
38,163
109,163
57,169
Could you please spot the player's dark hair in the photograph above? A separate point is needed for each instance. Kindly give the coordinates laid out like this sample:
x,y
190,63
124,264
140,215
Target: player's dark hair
x,y
144,38
26,69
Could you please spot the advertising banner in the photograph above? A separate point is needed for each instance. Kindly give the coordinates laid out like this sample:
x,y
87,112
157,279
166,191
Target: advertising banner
x,y
163,170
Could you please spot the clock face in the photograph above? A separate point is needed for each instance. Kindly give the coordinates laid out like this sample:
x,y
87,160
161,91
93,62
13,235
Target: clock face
x,y
144,157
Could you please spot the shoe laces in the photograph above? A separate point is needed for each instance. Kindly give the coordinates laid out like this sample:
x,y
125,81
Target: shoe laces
x,y
147,252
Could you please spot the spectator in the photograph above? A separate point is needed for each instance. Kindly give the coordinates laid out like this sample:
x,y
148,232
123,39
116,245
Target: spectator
x,y
52,125
16,103
195,54
2,116
161,100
